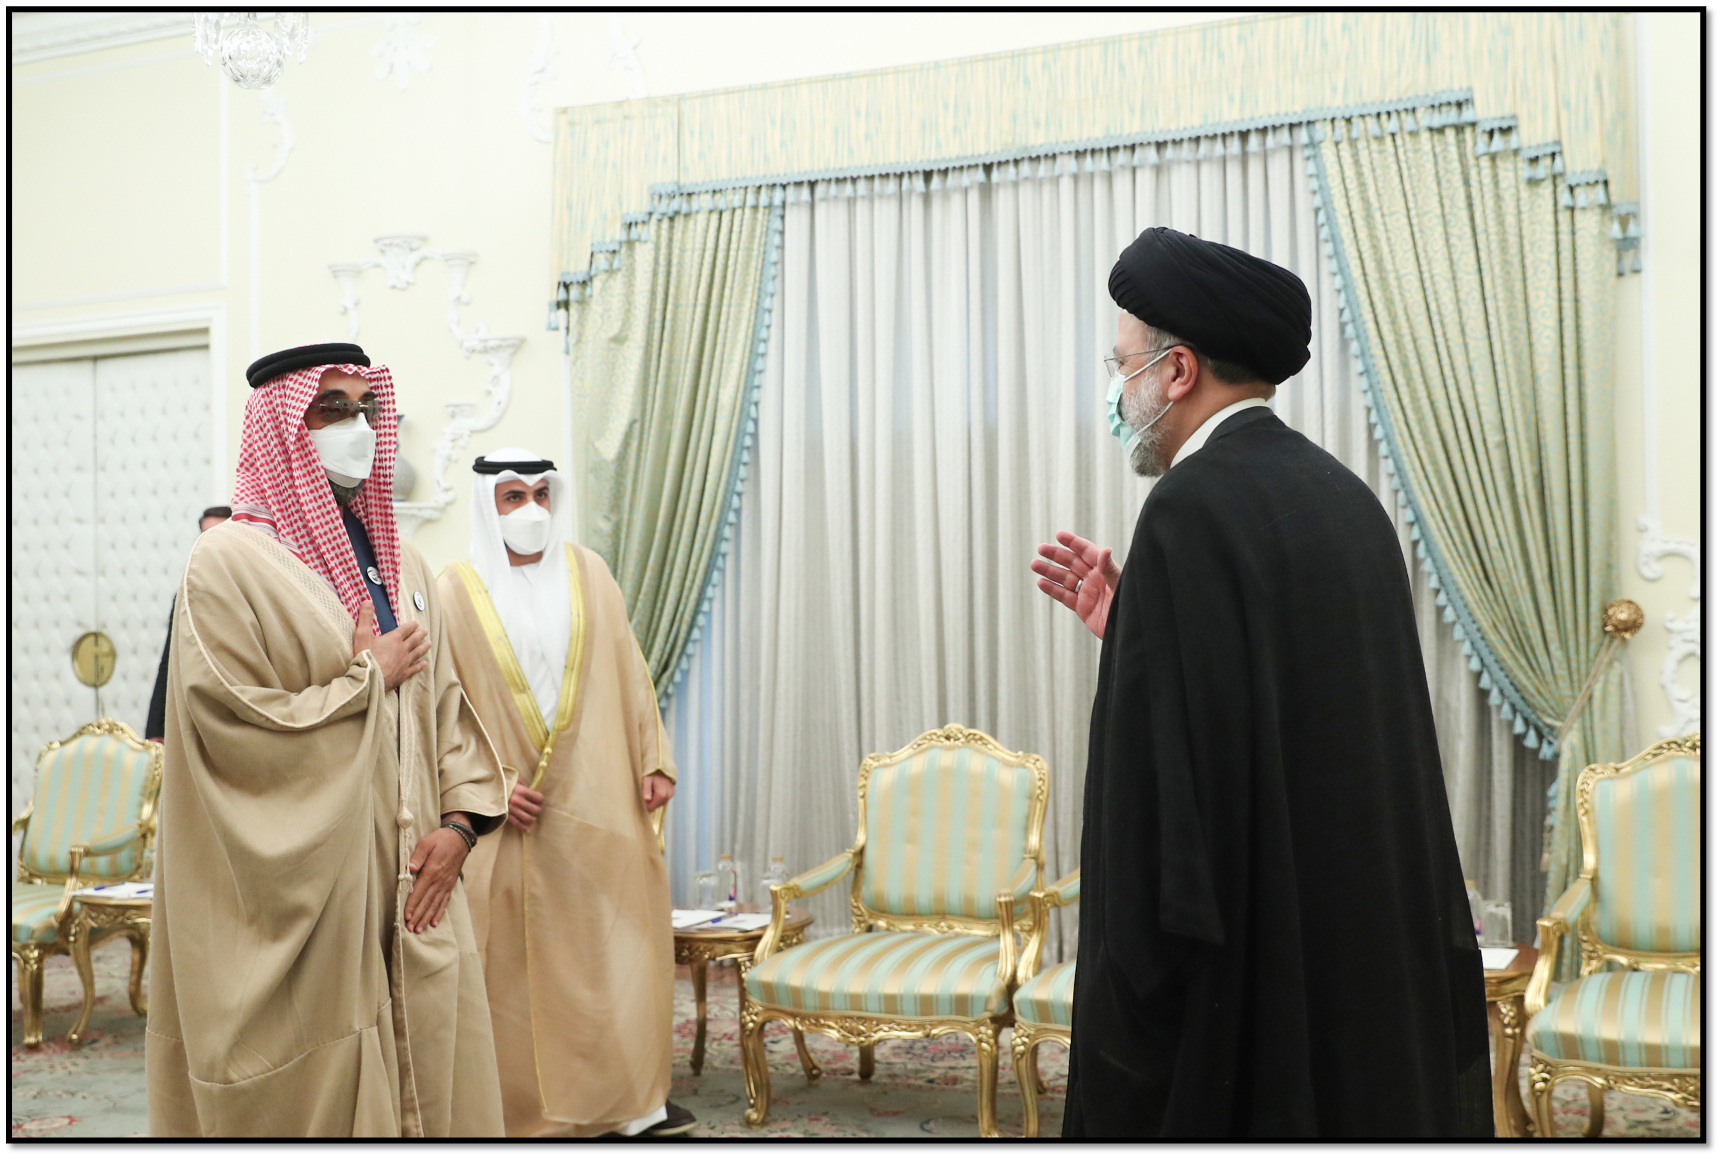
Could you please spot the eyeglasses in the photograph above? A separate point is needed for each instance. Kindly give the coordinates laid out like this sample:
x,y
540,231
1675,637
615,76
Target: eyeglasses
x,y
1114,364
333,408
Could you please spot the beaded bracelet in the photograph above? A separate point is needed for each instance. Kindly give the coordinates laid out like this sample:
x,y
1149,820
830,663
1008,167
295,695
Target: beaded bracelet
x,y
466,833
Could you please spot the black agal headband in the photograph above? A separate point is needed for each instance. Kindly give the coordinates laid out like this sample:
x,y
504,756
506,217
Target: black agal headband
x,y
272,366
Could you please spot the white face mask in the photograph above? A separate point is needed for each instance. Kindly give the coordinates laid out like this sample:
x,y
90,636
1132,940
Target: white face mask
x,y
526,530
1126,434
347,450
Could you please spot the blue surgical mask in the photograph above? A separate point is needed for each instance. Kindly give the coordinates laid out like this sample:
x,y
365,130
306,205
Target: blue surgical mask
x,y
1126,434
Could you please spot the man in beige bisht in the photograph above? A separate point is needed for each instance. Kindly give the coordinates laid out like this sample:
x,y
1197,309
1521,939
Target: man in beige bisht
x,y
314,971
571,901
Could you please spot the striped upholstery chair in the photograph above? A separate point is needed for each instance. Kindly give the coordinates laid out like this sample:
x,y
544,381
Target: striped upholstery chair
x,y
1632,1020
949,847
1042,1005
91,821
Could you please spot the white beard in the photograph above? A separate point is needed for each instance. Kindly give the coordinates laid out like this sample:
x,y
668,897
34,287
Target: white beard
x,y
1140,409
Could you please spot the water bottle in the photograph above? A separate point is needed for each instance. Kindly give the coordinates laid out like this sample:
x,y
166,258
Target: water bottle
x,y
728,883
1474,906
777,874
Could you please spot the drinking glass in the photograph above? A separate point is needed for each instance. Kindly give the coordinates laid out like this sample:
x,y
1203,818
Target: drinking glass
x,y
1496,924
705,889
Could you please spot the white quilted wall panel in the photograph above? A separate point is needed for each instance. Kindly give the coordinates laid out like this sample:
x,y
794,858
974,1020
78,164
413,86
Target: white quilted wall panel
x,y
110,468
152,481
53,555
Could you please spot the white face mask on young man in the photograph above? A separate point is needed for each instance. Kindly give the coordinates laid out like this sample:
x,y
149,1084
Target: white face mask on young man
x,y
526,530
347,450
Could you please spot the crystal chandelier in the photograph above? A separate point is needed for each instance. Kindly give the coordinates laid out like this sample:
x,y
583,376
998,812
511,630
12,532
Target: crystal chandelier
x,y
251,56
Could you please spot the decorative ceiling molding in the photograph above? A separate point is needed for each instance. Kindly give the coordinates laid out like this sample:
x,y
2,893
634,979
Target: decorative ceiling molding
x,y
539,68
46,35
402,49
623,58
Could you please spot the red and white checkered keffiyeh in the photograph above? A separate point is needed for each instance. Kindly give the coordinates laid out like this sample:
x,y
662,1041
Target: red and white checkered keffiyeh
x,y
281,488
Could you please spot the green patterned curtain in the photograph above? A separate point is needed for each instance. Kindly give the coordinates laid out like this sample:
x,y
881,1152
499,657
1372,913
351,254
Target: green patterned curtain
x,y
1478,278
665,343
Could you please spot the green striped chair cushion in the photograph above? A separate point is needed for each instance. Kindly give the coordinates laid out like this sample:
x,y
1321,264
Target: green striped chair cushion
x,y
33,912
88,788
1046,1000
1647,887
902,974
1635,1019
945,831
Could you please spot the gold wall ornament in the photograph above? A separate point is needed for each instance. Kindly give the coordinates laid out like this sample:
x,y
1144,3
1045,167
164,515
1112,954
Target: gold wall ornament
x,y
93,657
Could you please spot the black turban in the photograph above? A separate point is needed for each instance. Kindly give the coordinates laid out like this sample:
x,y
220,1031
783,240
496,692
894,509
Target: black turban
x,y
272,366
1228,304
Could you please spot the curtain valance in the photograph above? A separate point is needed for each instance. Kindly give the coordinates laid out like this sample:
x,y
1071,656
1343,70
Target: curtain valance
x,y
1563,73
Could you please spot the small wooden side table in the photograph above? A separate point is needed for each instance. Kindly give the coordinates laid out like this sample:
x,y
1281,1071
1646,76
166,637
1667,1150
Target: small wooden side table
x,y
110,916
702,944
1507,1023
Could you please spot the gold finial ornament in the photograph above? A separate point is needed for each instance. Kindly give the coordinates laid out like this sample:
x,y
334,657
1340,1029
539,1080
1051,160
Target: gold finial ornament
x,y
93,659
1622,618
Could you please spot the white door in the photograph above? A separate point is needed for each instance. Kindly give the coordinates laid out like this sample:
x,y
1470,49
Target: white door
x,y
110,470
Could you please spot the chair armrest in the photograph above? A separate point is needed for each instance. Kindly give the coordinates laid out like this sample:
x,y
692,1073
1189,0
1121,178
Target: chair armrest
x,y
22,820
1020,888
1021,885
112,842
73,884
1558,921
818,879
1065,892
804,885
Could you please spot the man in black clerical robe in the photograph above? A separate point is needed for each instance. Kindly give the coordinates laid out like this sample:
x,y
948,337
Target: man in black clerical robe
x,y
1275,939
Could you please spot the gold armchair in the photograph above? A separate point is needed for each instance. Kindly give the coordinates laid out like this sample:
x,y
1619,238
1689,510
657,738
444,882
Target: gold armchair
x,y
1632,1020
948,848
103,779
1042,1001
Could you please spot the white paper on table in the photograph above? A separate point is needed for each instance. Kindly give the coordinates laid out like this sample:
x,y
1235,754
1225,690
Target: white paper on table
x,y
1498,958
687,918
129,890
743,921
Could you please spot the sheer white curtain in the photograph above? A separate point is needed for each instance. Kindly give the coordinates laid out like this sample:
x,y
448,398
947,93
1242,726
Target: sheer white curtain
x,y
932,410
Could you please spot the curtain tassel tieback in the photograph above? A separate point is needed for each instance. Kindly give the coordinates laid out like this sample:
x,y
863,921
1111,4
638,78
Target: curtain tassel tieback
x,y
1621,620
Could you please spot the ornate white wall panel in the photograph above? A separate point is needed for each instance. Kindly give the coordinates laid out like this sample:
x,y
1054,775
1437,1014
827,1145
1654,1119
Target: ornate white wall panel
x,y
107,486
402,253
53,556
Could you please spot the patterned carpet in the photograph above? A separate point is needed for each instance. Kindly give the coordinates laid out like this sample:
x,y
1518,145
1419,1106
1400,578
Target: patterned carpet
x,y
921,1089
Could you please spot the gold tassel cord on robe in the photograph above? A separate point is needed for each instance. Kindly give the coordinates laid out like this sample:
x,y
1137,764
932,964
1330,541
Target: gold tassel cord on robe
x,y
525,702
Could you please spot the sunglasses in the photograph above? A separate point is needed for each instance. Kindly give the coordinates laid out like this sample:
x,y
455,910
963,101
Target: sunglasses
x,y
333,408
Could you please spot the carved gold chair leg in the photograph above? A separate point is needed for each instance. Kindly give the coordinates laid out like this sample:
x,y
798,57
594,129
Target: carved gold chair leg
x,y
1597,1110
808,1066
985,1045
139,960
29,958
1026,1077
868,1062
80,953
1541,1098
753,1068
